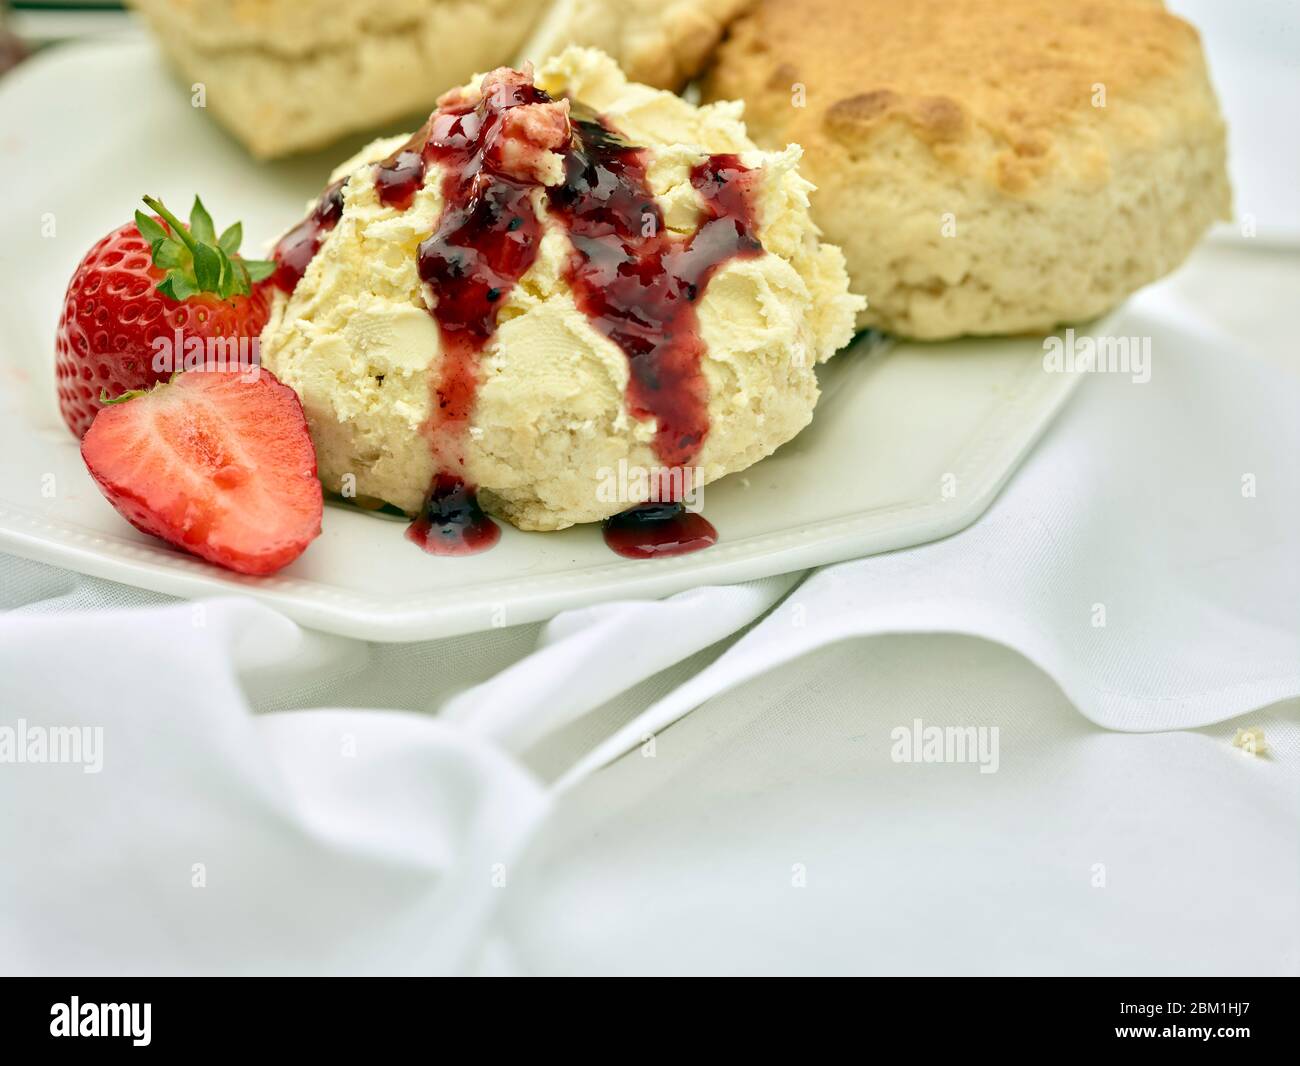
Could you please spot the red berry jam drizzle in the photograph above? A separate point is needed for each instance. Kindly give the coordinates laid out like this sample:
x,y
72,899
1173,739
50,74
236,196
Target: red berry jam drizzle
x,y
654,530
299,246
399,177
484,243
638,284
451,522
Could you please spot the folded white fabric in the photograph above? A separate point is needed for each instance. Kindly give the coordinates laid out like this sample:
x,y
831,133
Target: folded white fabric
x,y
591,655
152,824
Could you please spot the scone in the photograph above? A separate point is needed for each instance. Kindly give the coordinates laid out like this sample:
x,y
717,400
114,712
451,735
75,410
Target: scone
x,y
663,43
289,75
988,166
550,283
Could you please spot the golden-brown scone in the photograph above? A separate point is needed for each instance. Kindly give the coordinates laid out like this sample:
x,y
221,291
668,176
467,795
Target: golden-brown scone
x,y
290,75
988,166
663,43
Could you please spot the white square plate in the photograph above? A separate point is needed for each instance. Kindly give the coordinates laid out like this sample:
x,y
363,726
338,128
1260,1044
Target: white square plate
x,y
909,444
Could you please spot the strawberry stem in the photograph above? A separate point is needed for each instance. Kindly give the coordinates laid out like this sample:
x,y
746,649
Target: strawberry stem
x,y
178,227
194,258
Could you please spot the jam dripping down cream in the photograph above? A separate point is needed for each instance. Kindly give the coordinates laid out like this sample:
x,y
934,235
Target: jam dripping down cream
x,y
637,283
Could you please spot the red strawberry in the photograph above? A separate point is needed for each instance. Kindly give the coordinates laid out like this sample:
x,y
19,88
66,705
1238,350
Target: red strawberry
x,y
217,463
140,288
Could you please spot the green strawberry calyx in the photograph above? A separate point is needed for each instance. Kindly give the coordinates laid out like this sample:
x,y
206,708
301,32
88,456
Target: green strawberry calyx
x,y
105,400
195,258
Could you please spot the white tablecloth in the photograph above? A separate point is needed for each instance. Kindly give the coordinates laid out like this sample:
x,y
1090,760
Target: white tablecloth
x,y
712,783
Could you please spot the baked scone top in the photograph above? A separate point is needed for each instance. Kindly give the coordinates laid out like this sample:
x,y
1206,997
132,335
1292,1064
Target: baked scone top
x,y
663,43
1013,90
988,166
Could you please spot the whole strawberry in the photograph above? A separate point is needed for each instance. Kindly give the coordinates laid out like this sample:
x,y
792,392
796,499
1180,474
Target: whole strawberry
x,y
142,296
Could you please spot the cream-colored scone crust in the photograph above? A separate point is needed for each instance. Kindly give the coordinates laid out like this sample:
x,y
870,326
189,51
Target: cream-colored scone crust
x,y
989,166
663,43
357,342
289,75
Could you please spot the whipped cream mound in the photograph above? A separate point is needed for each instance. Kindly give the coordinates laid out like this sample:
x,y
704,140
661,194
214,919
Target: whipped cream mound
x,y
358,342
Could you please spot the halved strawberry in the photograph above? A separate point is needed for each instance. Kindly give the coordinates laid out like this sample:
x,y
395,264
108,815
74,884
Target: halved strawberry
x,y
217,463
